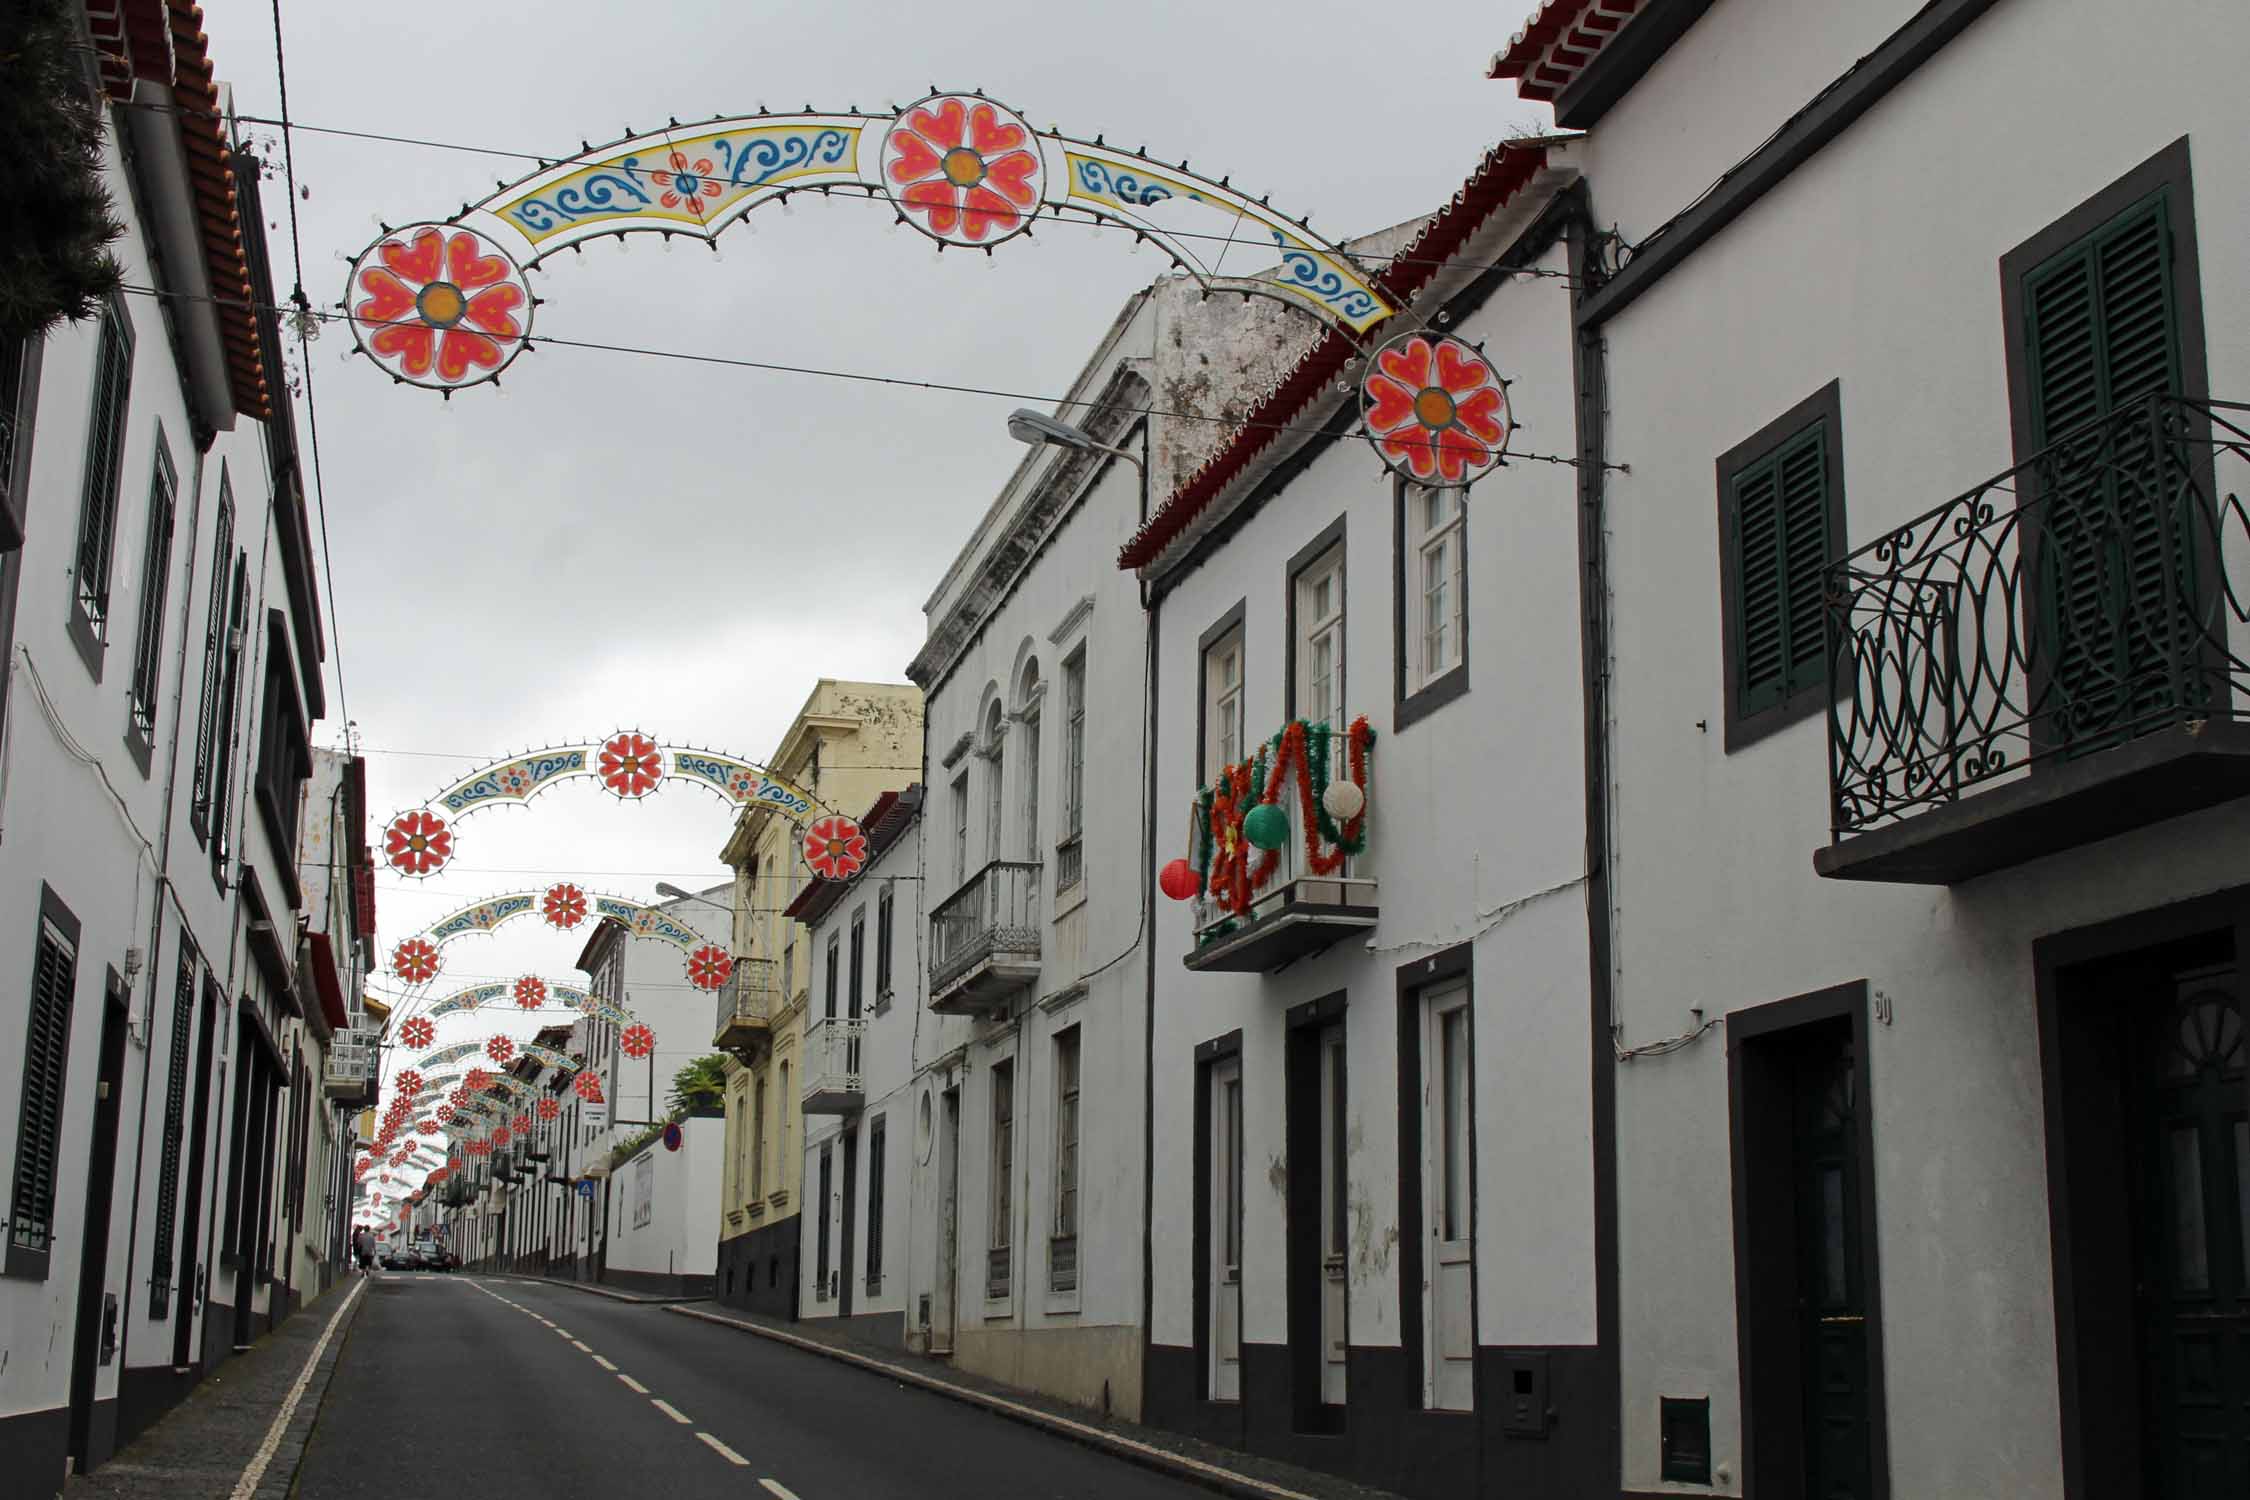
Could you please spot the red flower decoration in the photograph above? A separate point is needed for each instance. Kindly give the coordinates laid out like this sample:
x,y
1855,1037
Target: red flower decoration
x,y
687,184
1435,408
445,1114
708,967
531,992
415,961
835,848
638,1041
476,1081
964,168
417,1031
501,1137
417,842
501,1049
523,1124
589,1087
564,906
409,1082
549,1108
439,305
630,765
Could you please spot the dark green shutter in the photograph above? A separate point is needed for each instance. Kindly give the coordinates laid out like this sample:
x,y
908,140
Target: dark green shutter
x,y
168,1163
2101,328
105,455
46,1052
1781,540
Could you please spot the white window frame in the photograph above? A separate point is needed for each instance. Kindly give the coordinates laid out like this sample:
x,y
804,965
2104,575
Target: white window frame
x,y
1316,631
961,829
1074,745
1224,724
1435,585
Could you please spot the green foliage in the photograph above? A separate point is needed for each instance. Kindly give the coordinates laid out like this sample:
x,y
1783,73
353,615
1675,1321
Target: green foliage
x,y
54,252
700,1088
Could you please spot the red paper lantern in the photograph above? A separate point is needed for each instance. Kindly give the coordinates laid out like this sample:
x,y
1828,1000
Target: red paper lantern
x,y
1178,880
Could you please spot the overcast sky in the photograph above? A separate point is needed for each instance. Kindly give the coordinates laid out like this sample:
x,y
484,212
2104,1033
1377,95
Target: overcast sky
x,y
628,542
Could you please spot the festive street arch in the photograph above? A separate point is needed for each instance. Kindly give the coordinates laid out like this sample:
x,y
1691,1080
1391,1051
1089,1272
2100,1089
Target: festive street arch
x,y
630,765
419,959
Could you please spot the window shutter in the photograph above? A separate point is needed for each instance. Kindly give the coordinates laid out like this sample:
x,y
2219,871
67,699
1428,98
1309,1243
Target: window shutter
x,y
39,1134
1803,484
105,452
168,1164
1761,653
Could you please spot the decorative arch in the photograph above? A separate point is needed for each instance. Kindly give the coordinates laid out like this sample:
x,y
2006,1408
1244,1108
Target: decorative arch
x,y
564,905
446,305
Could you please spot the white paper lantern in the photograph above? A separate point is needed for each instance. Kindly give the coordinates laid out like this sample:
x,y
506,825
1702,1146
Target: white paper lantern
x,y
1343,801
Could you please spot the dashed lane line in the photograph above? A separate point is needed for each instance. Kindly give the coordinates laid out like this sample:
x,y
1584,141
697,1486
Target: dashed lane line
x,y
671,1411
724,1451
580,1346
633,1385
778,1489
605,1364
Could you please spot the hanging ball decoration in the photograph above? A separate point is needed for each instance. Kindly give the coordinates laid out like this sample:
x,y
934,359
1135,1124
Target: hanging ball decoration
x,y
1177,880
1266,826
1343,801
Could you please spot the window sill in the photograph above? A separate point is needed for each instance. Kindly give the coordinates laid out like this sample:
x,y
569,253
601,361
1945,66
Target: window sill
x,y
999,1309
1068,901
1431,696
86,635
141,747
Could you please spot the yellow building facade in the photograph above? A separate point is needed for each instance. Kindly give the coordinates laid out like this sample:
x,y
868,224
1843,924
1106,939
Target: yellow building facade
x,y
850,743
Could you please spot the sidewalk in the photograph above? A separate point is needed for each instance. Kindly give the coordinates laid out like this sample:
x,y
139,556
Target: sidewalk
x,y
249,1418
1229,1471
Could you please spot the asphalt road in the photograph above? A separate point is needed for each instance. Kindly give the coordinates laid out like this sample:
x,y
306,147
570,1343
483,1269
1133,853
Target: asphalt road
x,y
512,1390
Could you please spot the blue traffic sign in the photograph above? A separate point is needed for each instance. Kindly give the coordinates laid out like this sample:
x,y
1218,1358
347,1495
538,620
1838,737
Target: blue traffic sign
x,y
585,1187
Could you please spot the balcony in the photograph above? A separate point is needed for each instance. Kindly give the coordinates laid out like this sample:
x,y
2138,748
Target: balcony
x,y
747,1002
2052,658
1286,906
831,1066
984,940
350,1073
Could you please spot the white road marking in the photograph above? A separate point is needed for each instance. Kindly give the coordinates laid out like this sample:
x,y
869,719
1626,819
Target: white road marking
x,y
580,1346
724,1451
634,1385
605,1364
255,1470
549,1323
671,1411
782,1491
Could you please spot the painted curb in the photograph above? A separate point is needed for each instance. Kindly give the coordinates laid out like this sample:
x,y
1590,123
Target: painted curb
x,y
1148,1456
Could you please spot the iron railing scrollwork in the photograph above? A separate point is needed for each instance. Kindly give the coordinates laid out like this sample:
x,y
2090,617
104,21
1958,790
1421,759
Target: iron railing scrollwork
x,y
995,911
2097,592
749,996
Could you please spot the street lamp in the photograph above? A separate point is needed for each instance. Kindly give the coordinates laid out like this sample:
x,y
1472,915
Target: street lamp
x,y
1037,428
666,888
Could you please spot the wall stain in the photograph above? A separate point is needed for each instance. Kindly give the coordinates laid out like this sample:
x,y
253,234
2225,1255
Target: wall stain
x,y
1277,1174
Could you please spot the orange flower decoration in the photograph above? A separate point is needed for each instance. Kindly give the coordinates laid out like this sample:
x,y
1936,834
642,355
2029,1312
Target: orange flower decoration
x,y
965,169
439,306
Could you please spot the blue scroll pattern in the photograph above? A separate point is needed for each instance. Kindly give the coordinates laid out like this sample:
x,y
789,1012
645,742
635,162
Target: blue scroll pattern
x,y
514,781
739,782
617,191
468,999
454,1053
763,158
1101,180
1302,272
482,917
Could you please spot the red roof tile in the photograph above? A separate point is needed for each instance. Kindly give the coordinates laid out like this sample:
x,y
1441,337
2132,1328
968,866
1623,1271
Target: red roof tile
x,y
1503,172
1557,43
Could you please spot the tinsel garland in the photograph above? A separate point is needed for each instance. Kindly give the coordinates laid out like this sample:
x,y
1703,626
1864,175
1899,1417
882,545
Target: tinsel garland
x,y
1221,852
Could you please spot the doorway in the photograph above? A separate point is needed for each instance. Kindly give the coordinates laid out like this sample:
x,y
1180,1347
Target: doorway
x,y
1449,1199
1805,1266
2147,1053
944,1309
850,1215
1223,1187
96,1342
190,1278
1317,1280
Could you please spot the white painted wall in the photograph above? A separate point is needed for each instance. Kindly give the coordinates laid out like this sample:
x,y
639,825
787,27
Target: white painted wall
x,y
681,1236
1875,264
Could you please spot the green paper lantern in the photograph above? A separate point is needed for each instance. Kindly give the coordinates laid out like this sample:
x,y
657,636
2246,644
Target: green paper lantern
x,y
1266,826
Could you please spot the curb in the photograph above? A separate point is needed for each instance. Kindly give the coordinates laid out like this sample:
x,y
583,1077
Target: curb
x,y
1146,1455
594,1291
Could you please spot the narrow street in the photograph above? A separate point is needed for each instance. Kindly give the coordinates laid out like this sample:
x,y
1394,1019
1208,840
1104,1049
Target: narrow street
x,y
514,1390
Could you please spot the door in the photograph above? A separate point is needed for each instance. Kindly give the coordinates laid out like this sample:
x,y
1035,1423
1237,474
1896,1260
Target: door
x,y
96,1341
1335,1331
1449,1204
948,1298
1831,1274
1225,1270
850,1216
2192,1209
190,1278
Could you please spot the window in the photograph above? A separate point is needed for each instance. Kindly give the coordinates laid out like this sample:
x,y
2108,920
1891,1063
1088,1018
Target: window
x,y
961,828
1781,523
758,1143
46,1052
168,1162
1223,725
156,569
19,407
284,752
209,725
1000,1195
996,775
230,696
1316,599
858,985
781,1134
1030,774
820,1234
828,990
883,943
1063,1252
1070,858
1433,599
875,1137
105,457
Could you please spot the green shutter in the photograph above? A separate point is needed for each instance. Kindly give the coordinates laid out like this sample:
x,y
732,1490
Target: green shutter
x,y
1781,542
168,1163
39,1132
2101,329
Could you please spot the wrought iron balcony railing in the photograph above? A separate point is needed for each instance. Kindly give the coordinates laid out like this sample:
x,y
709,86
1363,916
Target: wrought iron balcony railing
x,y
747,1002
2090,596
831,1072
996,911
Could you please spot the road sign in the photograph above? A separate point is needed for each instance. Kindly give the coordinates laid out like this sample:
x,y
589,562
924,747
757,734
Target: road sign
x,y
585,1187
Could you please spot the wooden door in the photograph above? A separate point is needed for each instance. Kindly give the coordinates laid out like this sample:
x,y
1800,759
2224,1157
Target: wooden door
x,y
1448,1204
1831,1271
2192,1212
1335,1314
947,1300
1225,1271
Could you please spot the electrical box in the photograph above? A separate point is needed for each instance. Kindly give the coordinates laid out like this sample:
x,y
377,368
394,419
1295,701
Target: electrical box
x,y
1523,1393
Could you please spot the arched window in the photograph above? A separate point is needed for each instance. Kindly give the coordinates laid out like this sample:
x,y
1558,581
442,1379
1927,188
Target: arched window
x,y
995,732
1028,701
